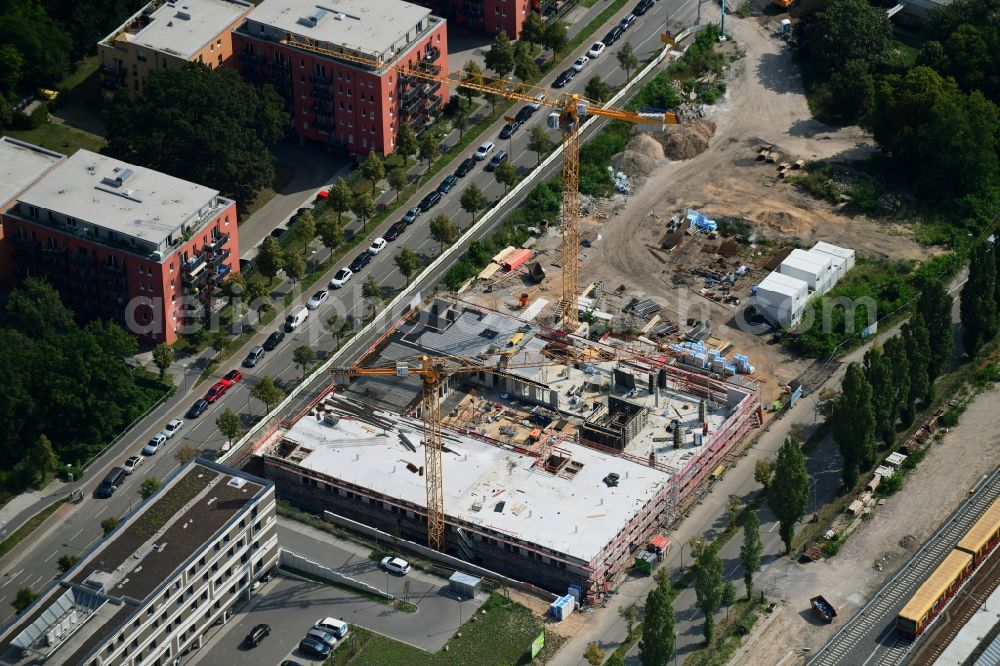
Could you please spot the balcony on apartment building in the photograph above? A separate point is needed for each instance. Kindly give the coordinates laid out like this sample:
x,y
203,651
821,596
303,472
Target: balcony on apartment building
x,y
113,270
432,53
132,27
410,108
322,108
218,244
474,13
216,262
433,104
428,67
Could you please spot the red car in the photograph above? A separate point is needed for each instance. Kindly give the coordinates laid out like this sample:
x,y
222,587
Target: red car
x,y
217,391
232,377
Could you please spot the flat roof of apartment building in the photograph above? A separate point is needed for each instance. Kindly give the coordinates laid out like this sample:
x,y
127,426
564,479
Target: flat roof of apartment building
x,y
123,198
384,28
21,164
571,512
182,27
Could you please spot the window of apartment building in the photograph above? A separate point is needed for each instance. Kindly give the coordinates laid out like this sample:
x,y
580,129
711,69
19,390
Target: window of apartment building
x,y
140,56
371,98
218,43
219,59
302,65
499,26
305,123
503,12
211,47
364,143
304,95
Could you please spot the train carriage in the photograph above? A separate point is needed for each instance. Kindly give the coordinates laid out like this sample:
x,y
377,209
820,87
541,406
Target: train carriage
x,y
983,536
932,596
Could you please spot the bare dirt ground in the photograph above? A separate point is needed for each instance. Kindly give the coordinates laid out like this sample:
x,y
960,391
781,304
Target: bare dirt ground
x,y
890,538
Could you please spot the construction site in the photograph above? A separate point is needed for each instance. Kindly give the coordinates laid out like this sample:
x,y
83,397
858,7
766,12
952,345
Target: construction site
x,y
560,455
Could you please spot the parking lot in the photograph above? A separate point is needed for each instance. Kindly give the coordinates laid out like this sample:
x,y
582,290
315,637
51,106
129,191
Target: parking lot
x,y
291,606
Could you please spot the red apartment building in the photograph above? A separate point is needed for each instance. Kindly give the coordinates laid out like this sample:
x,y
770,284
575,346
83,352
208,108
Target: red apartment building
x,y
123,242
490,16
337,102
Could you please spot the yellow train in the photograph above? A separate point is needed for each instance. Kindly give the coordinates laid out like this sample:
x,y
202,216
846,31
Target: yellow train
x,y
932,596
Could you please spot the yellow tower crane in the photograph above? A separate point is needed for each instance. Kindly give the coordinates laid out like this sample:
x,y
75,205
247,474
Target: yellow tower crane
x,y
573,110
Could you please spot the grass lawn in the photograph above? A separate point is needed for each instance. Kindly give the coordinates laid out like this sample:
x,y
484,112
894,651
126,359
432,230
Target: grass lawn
x,y
61,138
25,530
283,175
502,635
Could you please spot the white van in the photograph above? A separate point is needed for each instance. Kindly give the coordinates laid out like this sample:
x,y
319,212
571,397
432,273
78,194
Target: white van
x,y
295,318
337,627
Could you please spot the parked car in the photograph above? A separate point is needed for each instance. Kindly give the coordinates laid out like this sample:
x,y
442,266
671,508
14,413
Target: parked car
x,y
256,635
483,151
314,648
524,114
497,160
377,245
509,129
339,628
395,565
317,299
580,63
323,636
537,104
643,7
627,22
613,35
340,278
564,78
596,50
154,444
360,261
273,340
296,317
411,215
253,357
111,482
198,408
131,464
395,231
465,167
448,184
430,201
277,232
218,389
172,427
233,376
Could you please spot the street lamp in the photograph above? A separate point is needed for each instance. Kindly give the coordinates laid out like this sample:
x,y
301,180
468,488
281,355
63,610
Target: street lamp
x,y
460,612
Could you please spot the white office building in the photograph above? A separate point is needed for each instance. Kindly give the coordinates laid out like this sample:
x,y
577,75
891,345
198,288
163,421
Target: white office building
x,y
842,257
781,299
816,270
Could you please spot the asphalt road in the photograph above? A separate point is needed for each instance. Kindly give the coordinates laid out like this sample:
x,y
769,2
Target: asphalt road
x,y
36,564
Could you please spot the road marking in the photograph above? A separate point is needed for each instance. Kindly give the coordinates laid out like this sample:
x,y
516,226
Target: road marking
x,y
98,515
78,532
51,556
35,582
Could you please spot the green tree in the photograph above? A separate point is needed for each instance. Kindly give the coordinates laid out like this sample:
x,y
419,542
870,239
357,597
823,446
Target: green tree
x,y
472,200
918,351
109,525
373,170
539,142
149,486
331,233
430,147
627,59
899,369
24,598
44,46
257,293
11,69
733,507
728,596
708,586
751,550
235,289
555,37
836,32
533,29
341,198
593,653
525,67
295,267
853,424
935,305
616,658
852,91
879,377
45,462
305,230
267,392
473,75
364,208
303,356
229,424
762,471
460,120
629,613
443,231
408,263
406,142
270,259
500,56
978,305
205,125
66,562
163,358
398,180
186,453
506,174
372,292
659,633
789,493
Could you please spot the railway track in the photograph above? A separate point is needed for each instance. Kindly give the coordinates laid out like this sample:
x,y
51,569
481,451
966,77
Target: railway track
x,y
870,637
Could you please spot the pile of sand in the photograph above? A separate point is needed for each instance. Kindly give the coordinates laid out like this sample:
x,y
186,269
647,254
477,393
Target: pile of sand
x,y
682,142
647,145
633,163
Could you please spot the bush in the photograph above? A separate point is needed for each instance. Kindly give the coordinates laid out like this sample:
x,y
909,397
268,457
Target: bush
x,y
890,485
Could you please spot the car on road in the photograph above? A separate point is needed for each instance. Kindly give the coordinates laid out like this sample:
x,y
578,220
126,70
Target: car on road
x,y
580,63
564,78
289,662
256,635
340,278
411,215
131,464
627,22
360,261
430,201
233,376
297,214
314,648
296,318
465,167
395,231
337,627
111,482
497,160
524,114
198,408
509,129
253,357
377,245
484,149
277,232
613,35
643,7
596,50
447,184
173,425
273,340
317,299
154,444
395,565
537,104
218,390
323,636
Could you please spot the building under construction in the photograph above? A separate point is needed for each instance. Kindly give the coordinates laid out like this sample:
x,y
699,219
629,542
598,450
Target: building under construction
x,y
561,456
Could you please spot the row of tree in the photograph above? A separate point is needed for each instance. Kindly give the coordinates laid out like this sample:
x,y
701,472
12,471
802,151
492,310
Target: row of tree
x,y
980,304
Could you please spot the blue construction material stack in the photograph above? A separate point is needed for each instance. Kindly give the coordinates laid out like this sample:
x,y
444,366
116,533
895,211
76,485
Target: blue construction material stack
x,y
698,355
701,221
562,607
